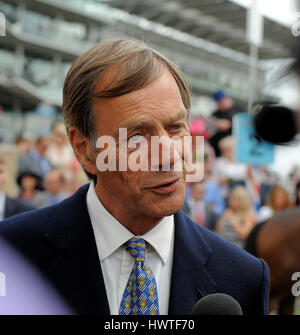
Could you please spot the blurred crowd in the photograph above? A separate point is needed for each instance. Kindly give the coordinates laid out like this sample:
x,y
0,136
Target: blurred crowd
x,y
233,197
47,172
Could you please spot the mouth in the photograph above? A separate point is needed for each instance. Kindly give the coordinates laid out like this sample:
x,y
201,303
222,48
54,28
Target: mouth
x,y
166,187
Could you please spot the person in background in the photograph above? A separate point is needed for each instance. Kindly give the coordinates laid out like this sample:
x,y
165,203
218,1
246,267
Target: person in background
x,y
31,189
9,206
224,114
278,199
22,144
212,196
292,181
227,173
30,140
59,152
297,194
54,187
269,179
238,219
34,160
196,208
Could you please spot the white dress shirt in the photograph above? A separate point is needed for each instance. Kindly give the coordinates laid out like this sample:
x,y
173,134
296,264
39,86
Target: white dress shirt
x,y
2,205
117,263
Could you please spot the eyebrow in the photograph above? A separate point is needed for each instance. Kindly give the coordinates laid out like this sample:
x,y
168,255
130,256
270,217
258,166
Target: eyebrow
x,y
179,116
148,124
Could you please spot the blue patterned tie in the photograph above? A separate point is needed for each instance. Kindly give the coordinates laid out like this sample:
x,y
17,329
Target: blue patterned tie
x,y
140,295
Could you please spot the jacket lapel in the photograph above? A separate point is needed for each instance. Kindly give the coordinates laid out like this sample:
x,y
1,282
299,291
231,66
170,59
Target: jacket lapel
x,y
190,279
76,271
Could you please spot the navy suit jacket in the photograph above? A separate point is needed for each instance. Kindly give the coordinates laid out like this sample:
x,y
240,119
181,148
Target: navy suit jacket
x,y
59,240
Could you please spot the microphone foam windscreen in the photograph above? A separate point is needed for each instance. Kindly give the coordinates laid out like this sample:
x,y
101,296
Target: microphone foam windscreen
x,y
217,304
276,124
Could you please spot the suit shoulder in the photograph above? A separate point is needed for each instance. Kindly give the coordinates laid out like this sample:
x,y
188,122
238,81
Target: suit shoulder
x,y
27,223
223,251
235,271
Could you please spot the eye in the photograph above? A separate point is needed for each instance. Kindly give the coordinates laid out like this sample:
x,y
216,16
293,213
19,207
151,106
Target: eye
x,y
176,127
136,138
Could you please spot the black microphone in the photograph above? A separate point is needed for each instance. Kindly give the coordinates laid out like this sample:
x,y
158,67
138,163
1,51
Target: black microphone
x,y
217,304
276,123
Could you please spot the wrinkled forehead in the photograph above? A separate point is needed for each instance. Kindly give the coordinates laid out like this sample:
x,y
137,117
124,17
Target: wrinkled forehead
x,y
128,76
159,101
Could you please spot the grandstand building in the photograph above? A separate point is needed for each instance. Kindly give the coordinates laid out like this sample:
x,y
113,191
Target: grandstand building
x,y
206,38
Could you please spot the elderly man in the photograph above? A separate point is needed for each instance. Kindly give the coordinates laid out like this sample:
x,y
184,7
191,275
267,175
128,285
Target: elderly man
x,y
121,245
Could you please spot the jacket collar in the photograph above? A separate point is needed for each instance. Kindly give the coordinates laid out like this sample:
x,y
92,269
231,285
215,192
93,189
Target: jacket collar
x,y
190,279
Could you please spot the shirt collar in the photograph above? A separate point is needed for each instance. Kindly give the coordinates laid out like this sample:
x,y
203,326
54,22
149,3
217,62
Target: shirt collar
x,y
111,234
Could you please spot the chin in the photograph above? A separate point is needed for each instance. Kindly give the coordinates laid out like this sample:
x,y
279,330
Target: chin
x,y
166,207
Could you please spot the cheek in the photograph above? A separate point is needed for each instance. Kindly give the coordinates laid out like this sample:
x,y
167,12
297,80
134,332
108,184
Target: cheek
x,y
280,199
133,180
234,203
125,183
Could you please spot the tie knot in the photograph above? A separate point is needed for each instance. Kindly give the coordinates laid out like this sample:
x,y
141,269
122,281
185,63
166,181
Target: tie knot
x,y
136,248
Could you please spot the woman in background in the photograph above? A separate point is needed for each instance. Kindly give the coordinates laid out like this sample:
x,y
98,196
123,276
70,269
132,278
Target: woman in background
x,y
59,152
278,199
227,172
31,189
238,219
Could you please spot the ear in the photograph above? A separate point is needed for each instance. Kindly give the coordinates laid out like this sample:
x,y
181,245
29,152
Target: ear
x,y
83,150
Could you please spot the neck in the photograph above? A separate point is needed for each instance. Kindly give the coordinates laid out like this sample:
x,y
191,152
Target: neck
x,y
229,158
137,224
28,193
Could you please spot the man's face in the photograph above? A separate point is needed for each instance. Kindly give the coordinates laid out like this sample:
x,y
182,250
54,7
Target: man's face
x,y
59,134
155,110
197,191
53,182
3,176
225,104
42,146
